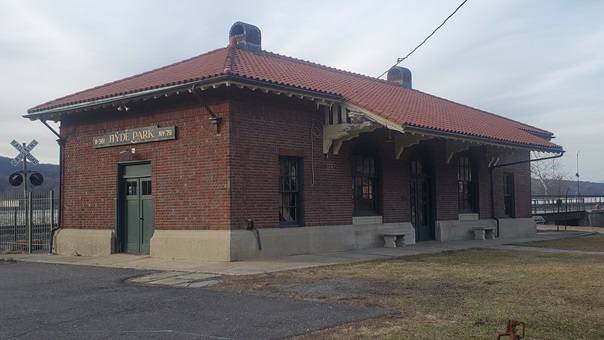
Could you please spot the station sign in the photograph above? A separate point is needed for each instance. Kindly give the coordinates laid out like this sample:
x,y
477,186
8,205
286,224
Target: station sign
x,y
134,136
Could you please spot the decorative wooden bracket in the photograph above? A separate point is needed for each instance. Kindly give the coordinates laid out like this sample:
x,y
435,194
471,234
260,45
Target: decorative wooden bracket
x,y
334,135
453,147
405,140
494,154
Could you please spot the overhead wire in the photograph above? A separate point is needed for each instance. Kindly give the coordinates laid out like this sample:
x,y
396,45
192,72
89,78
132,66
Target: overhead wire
x,y
400,60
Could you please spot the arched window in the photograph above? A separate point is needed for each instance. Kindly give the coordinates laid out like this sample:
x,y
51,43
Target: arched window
x,y
365,180
466,188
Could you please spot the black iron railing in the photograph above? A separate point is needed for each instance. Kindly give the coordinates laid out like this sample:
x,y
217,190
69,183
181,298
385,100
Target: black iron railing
x,y
555,204
26,223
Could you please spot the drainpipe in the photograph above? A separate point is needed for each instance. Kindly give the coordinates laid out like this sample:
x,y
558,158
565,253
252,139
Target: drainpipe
x,y
61,143
491,168
250,226
493,200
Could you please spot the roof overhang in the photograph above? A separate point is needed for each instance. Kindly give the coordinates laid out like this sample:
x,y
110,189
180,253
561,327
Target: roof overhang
x,y
55,113
480,139
409,135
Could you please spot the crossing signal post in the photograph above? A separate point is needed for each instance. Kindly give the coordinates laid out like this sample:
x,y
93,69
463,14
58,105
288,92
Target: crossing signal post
x,y
20,177
23,176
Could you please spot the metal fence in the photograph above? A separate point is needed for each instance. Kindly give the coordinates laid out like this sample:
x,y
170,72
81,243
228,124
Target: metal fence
x,y
555,204
26,223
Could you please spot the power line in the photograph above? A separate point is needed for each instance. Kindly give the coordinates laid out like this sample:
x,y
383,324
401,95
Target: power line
x,y
400,60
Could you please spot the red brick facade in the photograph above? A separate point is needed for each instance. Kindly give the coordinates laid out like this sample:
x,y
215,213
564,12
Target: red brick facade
x,y
204,180
319,158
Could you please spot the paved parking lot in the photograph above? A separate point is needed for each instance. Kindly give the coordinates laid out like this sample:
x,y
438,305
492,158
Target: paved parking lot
x,y
54,301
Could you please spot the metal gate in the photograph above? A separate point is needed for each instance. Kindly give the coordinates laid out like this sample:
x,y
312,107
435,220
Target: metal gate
x,y
26,223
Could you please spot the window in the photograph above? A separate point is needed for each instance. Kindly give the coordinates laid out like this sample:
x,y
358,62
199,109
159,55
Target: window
x,y
146,187
131,188
508,195
365,182
289,191
466,188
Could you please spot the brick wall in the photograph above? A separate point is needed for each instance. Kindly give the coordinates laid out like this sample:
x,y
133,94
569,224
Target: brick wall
x,y
190,174
263,132
287,127
210,180
522,184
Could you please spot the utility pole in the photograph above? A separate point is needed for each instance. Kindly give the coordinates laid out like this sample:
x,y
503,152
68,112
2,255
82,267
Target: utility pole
x,y
577,174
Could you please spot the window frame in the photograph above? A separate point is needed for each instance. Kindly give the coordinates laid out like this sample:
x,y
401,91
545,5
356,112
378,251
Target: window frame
x,y
467,185
509,195
369,180
296,193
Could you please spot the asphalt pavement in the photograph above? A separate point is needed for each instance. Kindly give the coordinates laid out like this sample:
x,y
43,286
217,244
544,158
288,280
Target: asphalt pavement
x,y
141,297
51,301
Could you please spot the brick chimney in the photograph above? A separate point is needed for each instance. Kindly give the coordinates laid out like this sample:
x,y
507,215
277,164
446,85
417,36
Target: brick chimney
x,y
400,75
246,37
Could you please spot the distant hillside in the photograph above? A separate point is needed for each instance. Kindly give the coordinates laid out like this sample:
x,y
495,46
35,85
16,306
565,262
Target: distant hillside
x,y
585,188
49,171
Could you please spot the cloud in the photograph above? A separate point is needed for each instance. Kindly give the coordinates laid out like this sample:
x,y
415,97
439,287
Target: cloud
x,y
539,62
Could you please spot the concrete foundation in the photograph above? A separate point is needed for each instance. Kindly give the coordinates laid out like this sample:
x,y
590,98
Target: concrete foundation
x,y
516,227
238,245
596,218
464,229
84,242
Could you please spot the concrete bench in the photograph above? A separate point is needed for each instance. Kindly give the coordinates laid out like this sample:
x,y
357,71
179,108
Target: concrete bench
x,y
391,237
482,233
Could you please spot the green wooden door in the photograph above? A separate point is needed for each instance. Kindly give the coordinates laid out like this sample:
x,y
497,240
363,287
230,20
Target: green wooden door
x,y
139,222
420,209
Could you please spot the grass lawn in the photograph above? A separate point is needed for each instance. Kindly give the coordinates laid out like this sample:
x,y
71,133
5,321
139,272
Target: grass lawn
x,y
466,294
549,227
586,243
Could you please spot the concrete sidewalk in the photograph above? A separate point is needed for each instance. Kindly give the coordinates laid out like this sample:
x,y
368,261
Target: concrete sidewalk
x,y
145,262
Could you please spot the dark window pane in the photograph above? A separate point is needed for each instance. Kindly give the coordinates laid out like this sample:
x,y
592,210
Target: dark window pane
x,y
466,189
289,189
146,188
508,194
364,181
131,189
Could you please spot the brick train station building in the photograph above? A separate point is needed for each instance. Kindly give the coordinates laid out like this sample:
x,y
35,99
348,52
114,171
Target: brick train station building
x,y
241,153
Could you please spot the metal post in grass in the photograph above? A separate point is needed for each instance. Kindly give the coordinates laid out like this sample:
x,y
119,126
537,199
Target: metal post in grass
x,y
16,209
52,219
566,210
29,213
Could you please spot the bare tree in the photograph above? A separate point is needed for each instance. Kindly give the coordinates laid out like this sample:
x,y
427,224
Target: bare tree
x,y
551,175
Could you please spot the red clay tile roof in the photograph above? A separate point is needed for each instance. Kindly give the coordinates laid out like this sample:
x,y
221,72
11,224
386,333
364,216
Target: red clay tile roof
x,y
405,107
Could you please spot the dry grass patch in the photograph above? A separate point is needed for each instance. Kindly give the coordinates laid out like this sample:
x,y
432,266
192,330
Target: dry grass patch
x,y
463,294
547,227
585,243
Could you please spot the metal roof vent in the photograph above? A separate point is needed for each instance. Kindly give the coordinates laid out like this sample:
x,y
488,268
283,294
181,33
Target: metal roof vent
x,y
246,37
400,75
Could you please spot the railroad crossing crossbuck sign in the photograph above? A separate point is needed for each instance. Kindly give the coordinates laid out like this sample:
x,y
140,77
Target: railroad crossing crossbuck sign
x,y
24,152
18,177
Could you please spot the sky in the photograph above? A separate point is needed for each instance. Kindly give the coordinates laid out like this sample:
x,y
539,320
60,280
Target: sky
x,y
540,62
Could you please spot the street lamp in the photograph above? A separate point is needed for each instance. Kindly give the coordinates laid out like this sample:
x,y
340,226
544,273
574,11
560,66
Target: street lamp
x,y
577,174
